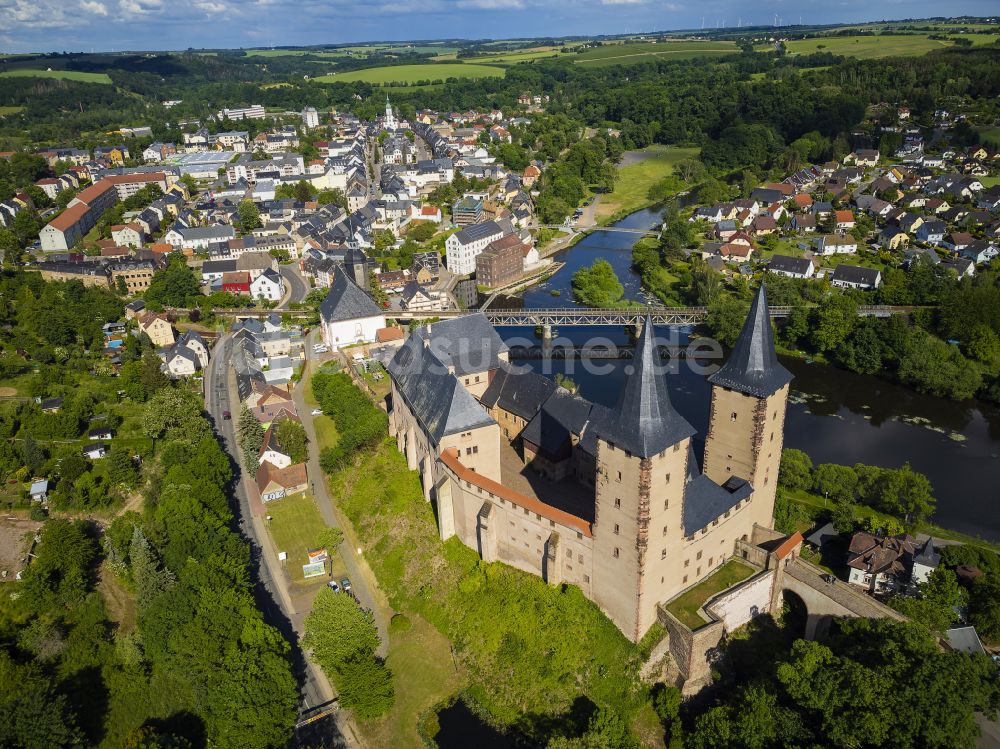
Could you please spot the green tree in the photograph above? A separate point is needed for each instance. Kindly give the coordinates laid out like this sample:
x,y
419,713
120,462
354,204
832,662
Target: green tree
x,y
292,437
250,435
122,468
174,285
833,322
32,711
844,517
597,286
834,481
725,319
337,628
796,470
984,607
249,216
936,602
906,494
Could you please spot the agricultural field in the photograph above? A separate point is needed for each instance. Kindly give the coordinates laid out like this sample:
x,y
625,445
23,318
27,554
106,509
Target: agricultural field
x,y
868,47
413,73
516,56
641,170
625,54
68,75
4,111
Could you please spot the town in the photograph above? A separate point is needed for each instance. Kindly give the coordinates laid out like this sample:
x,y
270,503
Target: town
x,y
391,416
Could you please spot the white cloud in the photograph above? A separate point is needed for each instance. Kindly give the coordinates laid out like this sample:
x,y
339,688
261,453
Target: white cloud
x,y
140,7
492,4
92,6
210,7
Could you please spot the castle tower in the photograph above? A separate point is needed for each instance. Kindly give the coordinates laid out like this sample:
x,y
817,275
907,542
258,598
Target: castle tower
x,y
747,415
642,463
356,265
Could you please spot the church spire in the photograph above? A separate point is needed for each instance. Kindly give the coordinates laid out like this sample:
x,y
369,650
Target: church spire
x,y
645,422
753,367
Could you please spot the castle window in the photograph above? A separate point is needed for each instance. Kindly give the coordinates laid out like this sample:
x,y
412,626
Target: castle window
x,y
698,555
611,446
727,513
715,522
615,553
772,436
616,529
552,524
475,449
710,561
663,553
697,572
732,416
664,530
618,504
668,478
586,578
765,481
685,579
466,380
477,378
666,504
525,510
579,536
619,475
569,553
775,416
537,516
677,447
579,558
687,562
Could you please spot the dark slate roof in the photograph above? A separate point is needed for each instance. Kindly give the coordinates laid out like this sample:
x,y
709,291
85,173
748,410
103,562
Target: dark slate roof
x,y
562,415
753,366
926,555
518,391
468,343
435,396
788,264
855,274
704,501
475,232
644,421
599,415
346,301
823,535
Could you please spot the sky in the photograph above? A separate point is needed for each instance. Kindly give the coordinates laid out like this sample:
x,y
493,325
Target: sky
x,y
115,25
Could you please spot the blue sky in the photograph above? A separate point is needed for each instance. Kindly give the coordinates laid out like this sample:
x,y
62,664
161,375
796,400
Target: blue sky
x,y
100,25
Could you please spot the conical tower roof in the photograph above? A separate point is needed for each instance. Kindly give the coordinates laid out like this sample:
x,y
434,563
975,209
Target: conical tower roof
x,y
753,367
645,422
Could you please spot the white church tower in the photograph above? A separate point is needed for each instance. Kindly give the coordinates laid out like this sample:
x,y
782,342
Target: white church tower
x,y
390,118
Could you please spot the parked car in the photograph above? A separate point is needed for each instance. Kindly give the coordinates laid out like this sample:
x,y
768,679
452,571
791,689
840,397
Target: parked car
x,y
316,412
227,415
346,584
332,585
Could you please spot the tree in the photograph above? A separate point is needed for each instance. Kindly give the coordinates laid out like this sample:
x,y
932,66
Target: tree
x,y
10,246
122,468
936,602
365,686
906,493
844,517
984,607
173,286
149,577
250,435
292,438
725,319
796,469
597,286
330,539
834,481
833,322
338,628
249,216
32,711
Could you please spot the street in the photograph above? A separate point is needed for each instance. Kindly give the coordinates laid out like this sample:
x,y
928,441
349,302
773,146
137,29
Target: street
x,y
270,590
296,284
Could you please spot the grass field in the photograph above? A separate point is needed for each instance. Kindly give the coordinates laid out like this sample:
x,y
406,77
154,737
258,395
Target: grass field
x,y
424,674
294,527
868,47
9,110
414,73
625,54
634,181
991,134
68,75
685,606
511,58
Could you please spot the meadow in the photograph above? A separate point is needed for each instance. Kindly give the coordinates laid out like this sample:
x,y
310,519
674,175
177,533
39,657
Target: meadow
x,y
632,188
626,54
869,47
413,73
68,75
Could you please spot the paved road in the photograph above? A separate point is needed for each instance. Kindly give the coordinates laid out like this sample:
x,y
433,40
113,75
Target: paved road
x,y
362,578
270,588
296,284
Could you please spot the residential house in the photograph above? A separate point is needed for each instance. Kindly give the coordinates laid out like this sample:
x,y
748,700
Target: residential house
x,y
236,282
889,564
416,298
893,238
793,267
844,220
804,222
349,315
957,240
836,244
856,277
181,361
271,450
157,326
464,246
275,483
932,232
268,285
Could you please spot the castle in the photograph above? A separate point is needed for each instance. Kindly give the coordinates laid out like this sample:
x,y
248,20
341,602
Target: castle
x,y
611,500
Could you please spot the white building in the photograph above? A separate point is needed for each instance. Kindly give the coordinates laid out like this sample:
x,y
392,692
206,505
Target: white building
x,y
462,248
253,112
390,118
310,117
348,315
268,285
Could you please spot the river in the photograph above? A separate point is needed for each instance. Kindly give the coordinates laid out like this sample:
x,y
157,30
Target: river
x,y
834,415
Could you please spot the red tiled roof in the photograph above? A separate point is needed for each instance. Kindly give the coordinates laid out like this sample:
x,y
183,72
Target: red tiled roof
x,y
384,335
69,217
450,459
843,216
788,545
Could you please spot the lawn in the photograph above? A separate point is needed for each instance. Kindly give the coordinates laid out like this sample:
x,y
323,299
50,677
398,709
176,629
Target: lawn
x,y
991,134
867,47
9,110
414,73
424,674
626,54
632,188
69,75
294,526
685,606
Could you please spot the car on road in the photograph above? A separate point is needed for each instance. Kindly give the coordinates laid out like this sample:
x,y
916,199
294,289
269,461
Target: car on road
x,y
320,348
346,584
332,585
316,412
227,415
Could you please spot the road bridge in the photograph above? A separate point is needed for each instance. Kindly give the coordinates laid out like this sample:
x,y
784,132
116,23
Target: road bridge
x,y
587,229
